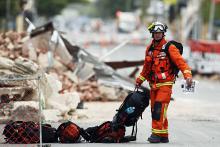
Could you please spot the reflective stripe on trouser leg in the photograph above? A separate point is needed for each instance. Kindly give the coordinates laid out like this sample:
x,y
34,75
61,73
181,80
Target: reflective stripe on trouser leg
x,y
162,95
156,131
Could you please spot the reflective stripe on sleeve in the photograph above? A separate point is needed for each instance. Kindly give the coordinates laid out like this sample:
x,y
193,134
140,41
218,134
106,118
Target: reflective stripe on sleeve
x,y
187,71
142,78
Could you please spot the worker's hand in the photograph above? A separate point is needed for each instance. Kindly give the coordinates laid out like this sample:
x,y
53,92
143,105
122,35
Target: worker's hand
x,y
138,82
189,82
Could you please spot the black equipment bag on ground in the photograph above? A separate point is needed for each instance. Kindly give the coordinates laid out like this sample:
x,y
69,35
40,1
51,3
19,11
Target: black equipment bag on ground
x,y
107,132
132,107
49,134
131,110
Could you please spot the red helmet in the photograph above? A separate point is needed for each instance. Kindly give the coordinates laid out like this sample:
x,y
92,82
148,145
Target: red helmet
x,y
157,27
68,132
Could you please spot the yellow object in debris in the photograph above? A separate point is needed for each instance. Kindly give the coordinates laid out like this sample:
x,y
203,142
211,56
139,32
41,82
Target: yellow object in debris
x,y
170,2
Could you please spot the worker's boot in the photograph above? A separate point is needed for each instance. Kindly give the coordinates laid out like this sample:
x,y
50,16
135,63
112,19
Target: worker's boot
x,y
164,139
154,139
157,139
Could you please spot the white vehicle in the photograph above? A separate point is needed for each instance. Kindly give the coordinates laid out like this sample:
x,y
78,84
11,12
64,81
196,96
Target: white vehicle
x,y
127,21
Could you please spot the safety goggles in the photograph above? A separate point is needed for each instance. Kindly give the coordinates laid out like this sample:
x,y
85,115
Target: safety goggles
x,y
158,28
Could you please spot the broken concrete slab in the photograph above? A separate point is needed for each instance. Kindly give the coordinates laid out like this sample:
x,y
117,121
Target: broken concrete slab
x,y
25,111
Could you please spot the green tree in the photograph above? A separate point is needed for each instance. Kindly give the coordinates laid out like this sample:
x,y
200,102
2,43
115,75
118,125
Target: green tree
x,y
205,10
52,7
8,11
13,7
108,8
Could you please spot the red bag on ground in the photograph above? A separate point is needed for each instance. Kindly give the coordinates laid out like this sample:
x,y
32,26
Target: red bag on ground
x,y
68,132
104,133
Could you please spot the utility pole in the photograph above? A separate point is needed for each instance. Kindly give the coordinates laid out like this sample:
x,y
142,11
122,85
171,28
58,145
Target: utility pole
x,y
143,9
128,5
211,20
8,15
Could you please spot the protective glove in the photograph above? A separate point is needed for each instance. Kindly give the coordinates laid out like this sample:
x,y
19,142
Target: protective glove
x,y
138,82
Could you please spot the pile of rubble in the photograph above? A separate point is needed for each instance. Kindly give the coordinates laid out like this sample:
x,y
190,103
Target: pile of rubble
x,y
61,94
12,47
23,85
11,44
92,91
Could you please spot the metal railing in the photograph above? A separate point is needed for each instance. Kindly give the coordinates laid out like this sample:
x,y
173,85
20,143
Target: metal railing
x,y
20,109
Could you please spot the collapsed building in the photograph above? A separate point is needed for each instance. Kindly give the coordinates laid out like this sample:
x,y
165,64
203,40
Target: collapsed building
x,y
29,77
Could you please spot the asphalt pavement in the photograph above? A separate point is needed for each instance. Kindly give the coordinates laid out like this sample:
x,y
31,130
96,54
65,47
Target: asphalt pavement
x,y
193,119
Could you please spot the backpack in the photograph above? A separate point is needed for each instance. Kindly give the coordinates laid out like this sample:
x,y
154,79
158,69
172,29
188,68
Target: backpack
x,y
49,134
178,46
21,132
132,107
107,132
131,110
68,132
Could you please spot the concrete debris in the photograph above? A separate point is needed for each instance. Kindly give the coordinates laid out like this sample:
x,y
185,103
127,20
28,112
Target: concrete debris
x,y
25,111
20,66
92,91
18,59
12,89
64,102
17,93
16,45
88,90
26,65
11,44
108,92
5,109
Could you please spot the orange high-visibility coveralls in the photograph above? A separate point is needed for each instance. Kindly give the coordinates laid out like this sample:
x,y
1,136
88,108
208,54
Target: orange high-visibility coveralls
x,y
157,70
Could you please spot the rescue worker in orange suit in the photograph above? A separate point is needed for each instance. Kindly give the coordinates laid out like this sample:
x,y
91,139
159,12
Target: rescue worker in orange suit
x,y
158,71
